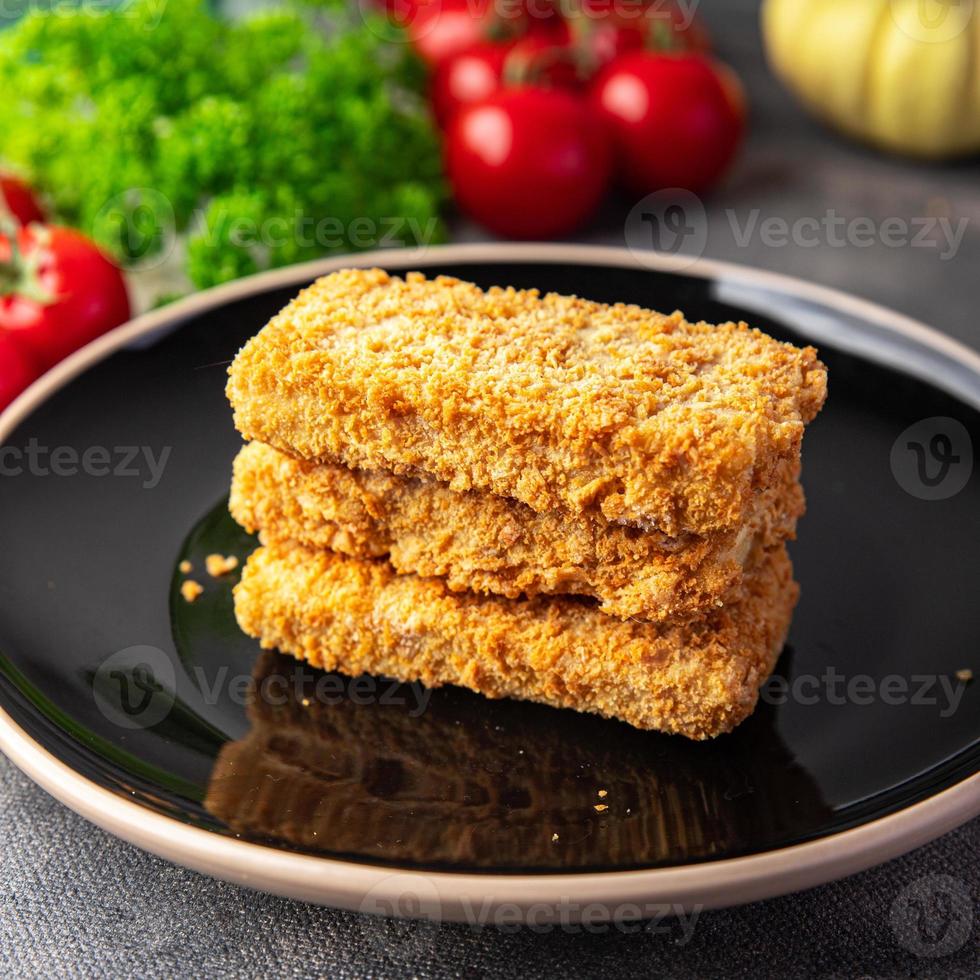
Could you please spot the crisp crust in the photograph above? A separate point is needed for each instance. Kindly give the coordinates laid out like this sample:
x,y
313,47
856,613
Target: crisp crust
x,y
489,544
698,679
558,402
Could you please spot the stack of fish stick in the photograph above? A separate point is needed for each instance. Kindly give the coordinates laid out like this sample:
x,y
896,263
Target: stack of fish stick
x,y
531,496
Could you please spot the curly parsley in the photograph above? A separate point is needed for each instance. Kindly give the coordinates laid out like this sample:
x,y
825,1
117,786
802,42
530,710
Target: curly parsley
x,y
244,145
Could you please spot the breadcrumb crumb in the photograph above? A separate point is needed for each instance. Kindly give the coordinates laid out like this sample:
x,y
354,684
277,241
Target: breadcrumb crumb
x,y
219,565
191,590
186,567
965,675
600,807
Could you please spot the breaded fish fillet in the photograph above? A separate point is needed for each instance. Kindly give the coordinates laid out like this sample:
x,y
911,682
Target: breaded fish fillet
x,y
697,679
555,401
485,543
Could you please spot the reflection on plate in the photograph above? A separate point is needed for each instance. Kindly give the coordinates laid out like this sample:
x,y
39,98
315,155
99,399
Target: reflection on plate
x,y
370,769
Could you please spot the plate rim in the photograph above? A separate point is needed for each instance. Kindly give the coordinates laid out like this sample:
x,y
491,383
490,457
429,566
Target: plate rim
x,y
458,896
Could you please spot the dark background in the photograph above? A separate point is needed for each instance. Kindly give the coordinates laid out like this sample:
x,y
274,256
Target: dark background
x,y
74,900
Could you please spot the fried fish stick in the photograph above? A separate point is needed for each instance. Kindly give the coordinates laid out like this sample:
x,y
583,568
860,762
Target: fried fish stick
x,y
560,403
697,679
489,544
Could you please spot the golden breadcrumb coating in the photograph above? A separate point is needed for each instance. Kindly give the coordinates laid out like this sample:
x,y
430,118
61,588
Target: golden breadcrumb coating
x,y
561,403
485,543
698,679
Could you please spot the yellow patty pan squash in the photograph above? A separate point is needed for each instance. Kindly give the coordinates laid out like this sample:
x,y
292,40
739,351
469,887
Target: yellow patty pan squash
x,y
901,74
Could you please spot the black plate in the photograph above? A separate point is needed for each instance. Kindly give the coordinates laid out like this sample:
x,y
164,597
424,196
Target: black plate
x,y
112,672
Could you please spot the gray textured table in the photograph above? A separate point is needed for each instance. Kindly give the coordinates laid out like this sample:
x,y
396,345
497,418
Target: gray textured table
x,y
73,900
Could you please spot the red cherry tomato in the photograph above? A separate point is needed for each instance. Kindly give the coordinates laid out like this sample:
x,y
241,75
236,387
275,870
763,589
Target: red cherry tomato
x,y
17,370
544,58
544,19
475,74
608,40
440,29
57,292
467,77
528,162
606,29
443,28
674,27
19,200
675,120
